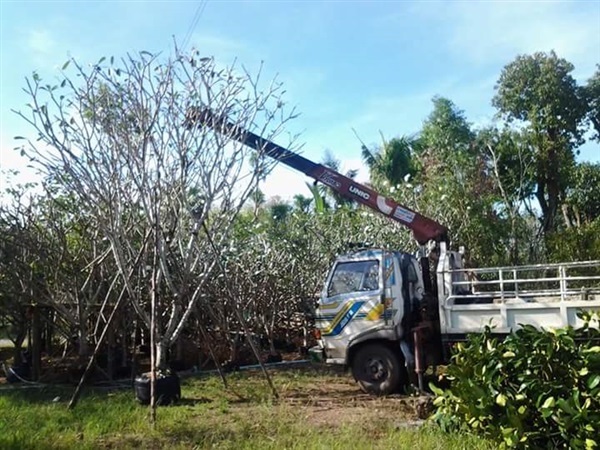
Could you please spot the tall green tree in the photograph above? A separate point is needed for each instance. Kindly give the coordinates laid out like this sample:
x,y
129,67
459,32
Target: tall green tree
x,y
592,93
510,166
446,130
454,182
538,91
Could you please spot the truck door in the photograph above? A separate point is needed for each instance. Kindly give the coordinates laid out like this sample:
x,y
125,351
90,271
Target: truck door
x,y
408,293
351,303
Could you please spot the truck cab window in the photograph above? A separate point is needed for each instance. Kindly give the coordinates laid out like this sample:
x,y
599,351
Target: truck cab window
x,y
354,276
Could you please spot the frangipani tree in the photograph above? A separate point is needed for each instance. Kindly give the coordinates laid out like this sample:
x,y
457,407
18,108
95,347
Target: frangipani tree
x,y
163,194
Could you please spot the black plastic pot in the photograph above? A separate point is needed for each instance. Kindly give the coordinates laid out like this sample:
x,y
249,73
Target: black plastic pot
x,y
16,373
273,358
168,389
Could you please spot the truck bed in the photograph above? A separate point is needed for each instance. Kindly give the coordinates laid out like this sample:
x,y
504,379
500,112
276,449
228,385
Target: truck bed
x,y
505,298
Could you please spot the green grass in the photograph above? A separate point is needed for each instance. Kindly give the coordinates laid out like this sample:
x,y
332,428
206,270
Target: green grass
x,y
315,411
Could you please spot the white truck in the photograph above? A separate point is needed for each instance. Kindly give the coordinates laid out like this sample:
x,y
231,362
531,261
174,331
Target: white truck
x,y
385,315
376,317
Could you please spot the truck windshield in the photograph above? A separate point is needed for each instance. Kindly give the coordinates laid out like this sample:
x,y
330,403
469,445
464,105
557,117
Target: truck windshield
x,y
354,276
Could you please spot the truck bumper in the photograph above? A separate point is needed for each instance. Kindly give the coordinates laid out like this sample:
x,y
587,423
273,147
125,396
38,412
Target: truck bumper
x,y
316,354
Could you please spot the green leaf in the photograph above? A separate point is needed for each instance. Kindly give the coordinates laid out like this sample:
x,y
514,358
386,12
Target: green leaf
x,y
594,349
65,65
436,390
508,354
590,444
501,399
593,381
549,403
565,406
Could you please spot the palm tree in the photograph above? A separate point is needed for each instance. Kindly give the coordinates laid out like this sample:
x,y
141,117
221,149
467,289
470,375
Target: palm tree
x,y
392,162
302,203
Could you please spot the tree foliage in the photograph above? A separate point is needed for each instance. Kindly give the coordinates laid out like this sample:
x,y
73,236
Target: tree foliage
x,y
592,95
453,183
582,204
392,164
537,389
539,91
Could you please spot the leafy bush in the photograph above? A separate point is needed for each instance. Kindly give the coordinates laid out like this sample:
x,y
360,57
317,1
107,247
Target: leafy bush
x,y
535,389
575,244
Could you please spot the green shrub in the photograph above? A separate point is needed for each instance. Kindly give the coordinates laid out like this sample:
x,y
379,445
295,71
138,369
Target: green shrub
x,y
535,389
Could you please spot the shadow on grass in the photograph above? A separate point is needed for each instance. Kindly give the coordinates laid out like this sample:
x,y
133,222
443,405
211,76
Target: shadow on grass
x,y
37,394
193,401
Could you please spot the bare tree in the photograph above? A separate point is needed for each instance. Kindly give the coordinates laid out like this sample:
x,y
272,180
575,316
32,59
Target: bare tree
x,y
114,134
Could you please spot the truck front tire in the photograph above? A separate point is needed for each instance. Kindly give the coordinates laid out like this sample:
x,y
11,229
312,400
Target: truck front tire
x,y
377,369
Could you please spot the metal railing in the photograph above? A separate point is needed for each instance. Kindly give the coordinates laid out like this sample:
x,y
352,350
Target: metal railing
x,y
540,282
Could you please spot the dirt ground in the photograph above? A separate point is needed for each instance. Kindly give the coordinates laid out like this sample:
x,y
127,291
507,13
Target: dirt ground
x,y
337,400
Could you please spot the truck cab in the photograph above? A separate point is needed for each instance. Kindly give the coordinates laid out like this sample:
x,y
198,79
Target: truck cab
x,y
369,304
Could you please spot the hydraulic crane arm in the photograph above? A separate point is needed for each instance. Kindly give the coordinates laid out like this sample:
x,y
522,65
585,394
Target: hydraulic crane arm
x,y
424,229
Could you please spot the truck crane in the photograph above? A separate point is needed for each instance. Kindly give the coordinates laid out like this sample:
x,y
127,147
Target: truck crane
x,y
385,316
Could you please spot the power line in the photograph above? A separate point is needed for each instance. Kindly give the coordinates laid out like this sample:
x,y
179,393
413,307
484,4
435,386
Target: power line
x,y
195,20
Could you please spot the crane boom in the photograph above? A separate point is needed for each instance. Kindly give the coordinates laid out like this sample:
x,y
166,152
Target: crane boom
x,y
424,229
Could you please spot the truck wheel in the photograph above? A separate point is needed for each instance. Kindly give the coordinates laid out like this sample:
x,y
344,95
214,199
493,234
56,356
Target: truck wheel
x,y
377,370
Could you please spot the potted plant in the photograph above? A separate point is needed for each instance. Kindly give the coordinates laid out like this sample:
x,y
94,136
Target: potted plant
x,y
168,387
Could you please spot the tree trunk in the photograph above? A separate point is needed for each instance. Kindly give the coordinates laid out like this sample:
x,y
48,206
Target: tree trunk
x,y
84,349
162,352
49,332
596,123
110,353
36,341
18,341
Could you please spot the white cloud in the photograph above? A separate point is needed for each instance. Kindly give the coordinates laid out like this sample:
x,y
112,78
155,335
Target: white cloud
x,y
42,48
11,160
494,32
285,182
41,43
304,80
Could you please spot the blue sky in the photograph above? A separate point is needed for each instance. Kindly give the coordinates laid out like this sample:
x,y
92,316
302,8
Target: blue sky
x,y
371,66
